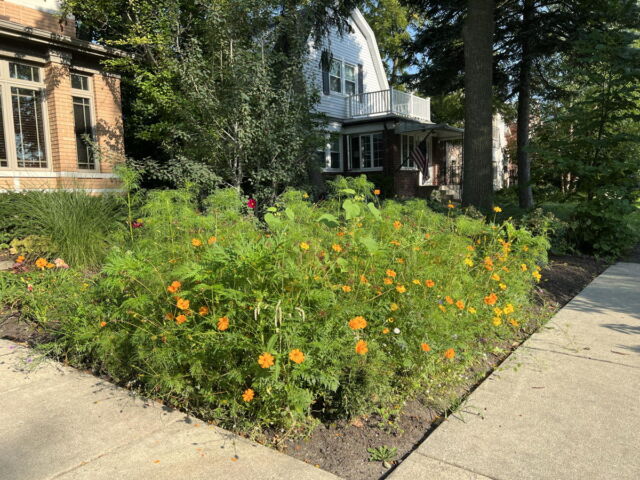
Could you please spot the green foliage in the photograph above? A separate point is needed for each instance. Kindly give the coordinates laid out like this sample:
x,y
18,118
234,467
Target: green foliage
x,y
382,453
12,226
72,225
291,290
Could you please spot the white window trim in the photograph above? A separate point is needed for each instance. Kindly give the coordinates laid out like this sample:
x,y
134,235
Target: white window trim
x,y
327,153
364,169
343,64
6,82
88,94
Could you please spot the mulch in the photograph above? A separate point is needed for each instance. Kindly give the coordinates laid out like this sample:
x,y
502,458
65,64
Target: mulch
x,y
341,447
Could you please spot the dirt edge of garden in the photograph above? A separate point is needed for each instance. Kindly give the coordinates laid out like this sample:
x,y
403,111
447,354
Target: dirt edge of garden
x,y
341,447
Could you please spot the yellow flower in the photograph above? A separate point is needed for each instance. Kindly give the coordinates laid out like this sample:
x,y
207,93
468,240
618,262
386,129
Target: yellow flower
x,y
472,310
468,262
508,309
525,248
497,209
497,321
296,356
441,307
502,286
41,263
196,242
415,281
248,395
523,267
495,277
401,289
416,249
304,246
336,248
397,224
498,311
266,360
471,248
536,275
391,319
182,304
388,281
393,307
346,288
400,260
305,195
357,323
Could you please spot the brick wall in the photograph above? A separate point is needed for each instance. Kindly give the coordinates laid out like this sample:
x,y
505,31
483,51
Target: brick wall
x,y
31,17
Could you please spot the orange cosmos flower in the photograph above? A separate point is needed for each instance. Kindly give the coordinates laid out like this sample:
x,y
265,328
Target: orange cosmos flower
x,y
170,316
388,281
376,191
265,360
451,205
397,224
425,347
248,395
361,347
429,283
460,304
401,289
495,277
203,311
385,330
223,323
212,240
363,279
296,356
196,242
390,273
180,319
514,322
51,265
346,288
357,323
20,259
41,263
182,304
395,242
340,234
400,260
336,248
471,248
427,236
449,300
174,287
103,324
449,353
491,299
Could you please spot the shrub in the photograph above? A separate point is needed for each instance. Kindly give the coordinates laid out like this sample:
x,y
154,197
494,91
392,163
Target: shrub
x,y
77,225
329,309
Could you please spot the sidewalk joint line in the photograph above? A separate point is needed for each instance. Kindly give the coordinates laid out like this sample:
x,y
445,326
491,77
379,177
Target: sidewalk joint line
x,y
581,356
457,466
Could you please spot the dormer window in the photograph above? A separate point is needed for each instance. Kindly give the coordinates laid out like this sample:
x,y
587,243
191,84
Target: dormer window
x,y
342,78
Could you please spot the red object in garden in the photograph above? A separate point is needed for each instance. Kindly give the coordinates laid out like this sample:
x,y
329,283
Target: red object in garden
x,y
252,203
136,224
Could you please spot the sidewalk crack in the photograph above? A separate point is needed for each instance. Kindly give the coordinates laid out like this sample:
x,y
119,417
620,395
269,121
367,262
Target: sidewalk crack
x,y
459,466
581,356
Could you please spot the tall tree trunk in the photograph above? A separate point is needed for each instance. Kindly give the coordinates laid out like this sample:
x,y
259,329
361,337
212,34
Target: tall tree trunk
x,y
477,180
525,193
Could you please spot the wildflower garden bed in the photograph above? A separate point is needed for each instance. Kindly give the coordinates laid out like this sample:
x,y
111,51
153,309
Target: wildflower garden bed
x,y
331,318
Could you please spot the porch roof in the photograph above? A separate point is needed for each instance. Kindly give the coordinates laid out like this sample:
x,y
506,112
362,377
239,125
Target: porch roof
x,y
443,130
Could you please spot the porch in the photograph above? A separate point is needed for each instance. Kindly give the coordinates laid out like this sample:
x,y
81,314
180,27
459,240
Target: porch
x,y
388,102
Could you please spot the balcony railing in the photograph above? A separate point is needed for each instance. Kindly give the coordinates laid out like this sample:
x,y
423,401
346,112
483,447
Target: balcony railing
x,y
388,102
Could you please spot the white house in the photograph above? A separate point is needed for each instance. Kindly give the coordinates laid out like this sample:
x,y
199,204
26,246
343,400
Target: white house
x,y
373,128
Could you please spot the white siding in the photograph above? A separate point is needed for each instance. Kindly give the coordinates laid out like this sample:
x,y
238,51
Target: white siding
x,y
351,48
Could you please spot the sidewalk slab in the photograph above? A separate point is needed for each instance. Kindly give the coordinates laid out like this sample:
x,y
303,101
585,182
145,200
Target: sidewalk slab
x,y
562,406
59,423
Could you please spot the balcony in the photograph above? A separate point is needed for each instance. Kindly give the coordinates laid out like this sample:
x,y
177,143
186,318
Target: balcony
x,y
388,102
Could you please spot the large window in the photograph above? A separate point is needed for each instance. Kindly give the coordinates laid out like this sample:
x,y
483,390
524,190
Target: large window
x,y
23,140
366,152
343,77
332,153
28,127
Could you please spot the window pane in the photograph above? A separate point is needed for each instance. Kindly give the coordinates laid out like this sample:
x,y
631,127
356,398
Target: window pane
x,y
378,149
335,152
355,153
366,151
80,82
334,84
28,128
84,132
350,73
3,146
349,88
335,76
335,68
24,72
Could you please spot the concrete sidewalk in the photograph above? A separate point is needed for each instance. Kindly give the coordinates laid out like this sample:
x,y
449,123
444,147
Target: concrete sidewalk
x,y
565,405
59,423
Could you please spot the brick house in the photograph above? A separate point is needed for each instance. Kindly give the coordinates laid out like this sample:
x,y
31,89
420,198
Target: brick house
x,y
60,112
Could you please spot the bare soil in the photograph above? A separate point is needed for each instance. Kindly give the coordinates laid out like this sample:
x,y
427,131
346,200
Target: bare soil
x,y
341,447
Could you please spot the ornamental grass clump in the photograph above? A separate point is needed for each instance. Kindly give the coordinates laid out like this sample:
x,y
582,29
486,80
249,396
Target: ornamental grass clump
x,y
316,311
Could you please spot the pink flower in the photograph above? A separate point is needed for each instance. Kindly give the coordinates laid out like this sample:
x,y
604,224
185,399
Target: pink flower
x,y
252,203
60,263
136,224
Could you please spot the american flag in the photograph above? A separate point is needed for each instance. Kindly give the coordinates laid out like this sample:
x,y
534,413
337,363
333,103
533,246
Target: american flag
x,y
419,158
